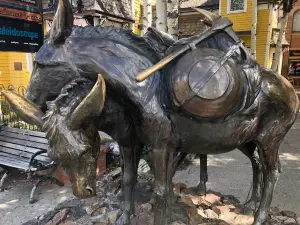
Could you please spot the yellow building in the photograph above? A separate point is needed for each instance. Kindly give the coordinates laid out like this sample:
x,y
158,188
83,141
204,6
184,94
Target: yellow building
x,y
16,67
240,13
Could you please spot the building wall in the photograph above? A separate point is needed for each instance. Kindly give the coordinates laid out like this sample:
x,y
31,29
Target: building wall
x,y
262,35
292,38
8,73
137,15
242,20
190,24
246,39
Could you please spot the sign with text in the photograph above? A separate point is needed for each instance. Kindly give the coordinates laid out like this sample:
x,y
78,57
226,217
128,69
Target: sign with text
x,y
19,14
20,36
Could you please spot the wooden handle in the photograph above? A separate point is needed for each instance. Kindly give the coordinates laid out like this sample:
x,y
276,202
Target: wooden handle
x,y
148,72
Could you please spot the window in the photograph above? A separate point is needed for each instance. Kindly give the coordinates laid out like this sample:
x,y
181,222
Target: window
x,y
236,6
296,21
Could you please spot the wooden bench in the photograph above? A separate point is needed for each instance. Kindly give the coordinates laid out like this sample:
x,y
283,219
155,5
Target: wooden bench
x,y
25,150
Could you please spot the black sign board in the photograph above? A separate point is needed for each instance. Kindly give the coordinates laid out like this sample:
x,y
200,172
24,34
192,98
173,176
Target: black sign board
x,y
20,36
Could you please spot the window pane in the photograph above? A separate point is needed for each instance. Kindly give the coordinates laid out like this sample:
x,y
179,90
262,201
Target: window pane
x,y
296,21
237,5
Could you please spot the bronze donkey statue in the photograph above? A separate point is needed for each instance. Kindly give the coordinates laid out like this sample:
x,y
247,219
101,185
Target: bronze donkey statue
x,y
205,100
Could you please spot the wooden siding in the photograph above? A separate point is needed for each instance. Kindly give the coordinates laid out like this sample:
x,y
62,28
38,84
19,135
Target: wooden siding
x,y
137,14
4,69
247,40
262,35
8,73
242,20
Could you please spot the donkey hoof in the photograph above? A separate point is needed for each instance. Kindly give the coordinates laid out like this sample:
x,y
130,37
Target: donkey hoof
x,y
247,211
249,208
31,201
201,190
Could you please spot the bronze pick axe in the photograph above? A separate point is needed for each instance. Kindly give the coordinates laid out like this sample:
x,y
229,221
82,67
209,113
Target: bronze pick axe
x,y
217,23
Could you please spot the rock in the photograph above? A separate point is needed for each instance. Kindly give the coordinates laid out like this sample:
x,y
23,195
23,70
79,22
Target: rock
x,y
290,221
274,211
32,222
298,220
229,199
243,219
178,223
288,213
210,214
146,207
77,212
143,166
228,217
68,204
187,200
223,208
91,209
216,210
281,218
212,198
112,216
197,200
99,219
178,187
194,217
81,221
190,191
200,212
115,173
59,217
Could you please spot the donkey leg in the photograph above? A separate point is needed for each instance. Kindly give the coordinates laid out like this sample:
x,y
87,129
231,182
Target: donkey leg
x,y
249,150
131,158
163,173
270,160
201,188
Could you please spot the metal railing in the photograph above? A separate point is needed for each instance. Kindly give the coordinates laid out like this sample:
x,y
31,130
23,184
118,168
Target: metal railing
x,y
8,117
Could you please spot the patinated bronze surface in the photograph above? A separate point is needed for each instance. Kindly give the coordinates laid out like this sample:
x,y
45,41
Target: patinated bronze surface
x,y
171,111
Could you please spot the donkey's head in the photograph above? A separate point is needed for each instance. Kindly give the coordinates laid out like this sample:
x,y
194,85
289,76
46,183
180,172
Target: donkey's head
x,y
74,141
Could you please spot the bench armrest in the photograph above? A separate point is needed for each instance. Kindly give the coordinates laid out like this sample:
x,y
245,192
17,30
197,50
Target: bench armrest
x,y
43,167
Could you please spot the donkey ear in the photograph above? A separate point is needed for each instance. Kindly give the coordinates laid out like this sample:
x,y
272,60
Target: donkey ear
x,y
25,109
91,106
62,23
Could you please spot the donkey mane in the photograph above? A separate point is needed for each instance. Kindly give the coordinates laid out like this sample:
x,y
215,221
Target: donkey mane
x,y
119,35
61,105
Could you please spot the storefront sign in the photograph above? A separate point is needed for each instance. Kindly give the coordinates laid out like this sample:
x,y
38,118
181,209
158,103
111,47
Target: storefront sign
x,y
21,25
20,36
19,14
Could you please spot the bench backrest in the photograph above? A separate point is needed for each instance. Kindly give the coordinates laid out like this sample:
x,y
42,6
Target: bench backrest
x,y
20,145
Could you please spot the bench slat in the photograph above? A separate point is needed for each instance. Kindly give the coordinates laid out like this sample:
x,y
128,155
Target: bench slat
x,y
19,147
17,152
15,157
24,137
8,162
24,143
21,131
